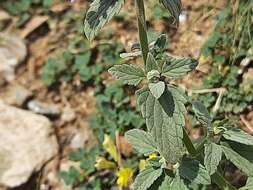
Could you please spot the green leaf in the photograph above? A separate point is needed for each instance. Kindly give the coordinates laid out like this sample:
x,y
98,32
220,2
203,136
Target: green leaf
x,y
82,60
202,113
153,76
72,176
245,151
129,74
240,162
99,13
48,3
142,141
194,171
146,178
162,183
165,184
178,67
151,63
157,162
178,184
164,120
157,89
213,154
213,39
238,135
160,43
174,7
249,184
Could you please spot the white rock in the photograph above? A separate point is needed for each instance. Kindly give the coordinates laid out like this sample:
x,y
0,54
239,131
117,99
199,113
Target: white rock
x,y
43,108
78,140
27,143
83,136
12,52
68,114
183,17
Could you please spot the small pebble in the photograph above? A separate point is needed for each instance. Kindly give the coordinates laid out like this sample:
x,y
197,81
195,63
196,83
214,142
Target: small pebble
x,y
43,108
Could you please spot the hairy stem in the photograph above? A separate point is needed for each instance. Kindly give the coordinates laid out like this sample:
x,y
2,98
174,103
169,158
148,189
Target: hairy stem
x,y
216,177
188,144
142,27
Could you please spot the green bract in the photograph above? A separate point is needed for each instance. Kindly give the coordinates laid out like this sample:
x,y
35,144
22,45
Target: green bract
x,y
157,88
153,75
179,164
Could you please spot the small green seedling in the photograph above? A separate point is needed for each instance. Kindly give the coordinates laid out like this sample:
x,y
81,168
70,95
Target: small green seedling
x,y
179,163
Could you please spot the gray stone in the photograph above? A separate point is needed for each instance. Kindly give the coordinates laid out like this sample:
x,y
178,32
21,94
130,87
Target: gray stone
x,y
43,108
27,143
68,114
12,52
83,136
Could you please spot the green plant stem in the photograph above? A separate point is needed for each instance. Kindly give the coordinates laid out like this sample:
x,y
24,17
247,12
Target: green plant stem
x,y
188,143
216,177
142,27
200,147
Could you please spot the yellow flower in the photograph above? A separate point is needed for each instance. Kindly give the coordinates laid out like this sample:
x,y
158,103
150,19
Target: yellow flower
x,y
203,59
124,175
142,164
152,155
110,147
102,163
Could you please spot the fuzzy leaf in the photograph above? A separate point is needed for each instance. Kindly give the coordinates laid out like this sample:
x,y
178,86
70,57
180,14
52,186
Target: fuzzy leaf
x,y
213,154
202,113
129,74
164,120
178,184
175,68
239,161
165,184
99,13
245,151
160,43
157,89
238,135
162,183
146,178
174,7
142,141
193,171
151,63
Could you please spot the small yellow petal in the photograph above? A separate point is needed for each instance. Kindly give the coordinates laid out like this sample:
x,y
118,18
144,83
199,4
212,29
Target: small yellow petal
x,y
124,175
203,59
110,147
102,163
142,164
152,155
